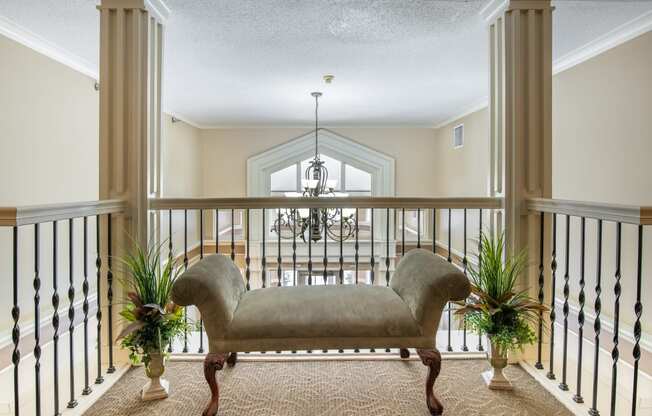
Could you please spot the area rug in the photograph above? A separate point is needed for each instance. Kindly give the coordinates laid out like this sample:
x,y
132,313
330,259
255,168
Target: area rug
x,y
330,388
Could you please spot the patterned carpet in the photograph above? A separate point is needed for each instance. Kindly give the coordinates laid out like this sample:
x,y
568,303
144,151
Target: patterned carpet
x,y
330,388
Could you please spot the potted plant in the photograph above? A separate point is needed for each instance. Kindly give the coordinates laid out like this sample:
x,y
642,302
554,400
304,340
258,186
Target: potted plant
x,y
497,308
154,321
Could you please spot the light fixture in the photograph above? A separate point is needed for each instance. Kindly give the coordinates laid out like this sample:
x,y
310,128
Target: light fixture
x,y
316,222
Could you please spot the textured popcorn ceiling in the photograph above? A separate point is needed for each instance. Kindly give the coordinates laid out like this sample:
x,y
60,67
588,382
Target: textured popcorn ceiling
x,y
254,62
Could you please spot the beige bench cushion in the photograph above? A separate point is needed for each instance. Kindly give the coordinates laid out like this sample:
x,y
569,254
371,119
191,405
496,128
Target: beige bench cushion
x,y
344,311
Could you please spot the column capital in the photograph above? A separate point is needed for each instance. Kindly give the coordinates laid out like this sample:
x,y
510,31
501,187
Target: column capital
x,y
156,8
495,8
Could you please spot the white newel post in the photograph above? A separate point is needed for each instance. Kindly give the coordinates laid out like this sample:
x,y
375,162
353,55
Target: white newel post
x,y
131,42
520,35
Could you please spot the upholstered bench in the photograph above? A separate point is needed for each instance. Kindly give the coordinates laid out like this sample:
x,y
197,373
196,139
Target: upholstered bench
x,y
404,315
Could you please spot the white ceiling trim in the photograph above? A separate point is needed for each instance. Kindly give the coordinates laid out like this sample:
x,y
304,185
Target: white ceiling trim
x,y
492,9
609,40
47,48
159,9
472,109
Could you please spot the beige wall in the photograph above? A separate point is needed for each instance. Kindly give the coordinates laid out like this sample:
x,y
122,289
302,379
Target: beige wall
x,y
225,153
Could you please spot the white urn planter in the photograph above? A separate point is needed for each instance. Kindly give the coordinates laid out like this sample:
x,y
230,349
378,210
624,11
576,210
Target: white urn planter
x,y
494,378
156,388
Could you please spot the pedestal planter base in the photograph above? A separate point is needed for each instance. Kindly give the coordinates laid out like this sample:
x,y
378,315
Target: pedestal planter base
x,y
155,389
495,380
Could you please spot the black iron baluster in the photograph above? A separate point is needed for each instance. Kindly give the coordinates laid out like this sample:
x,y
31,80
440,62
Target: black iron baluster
x,y
387,262
341,247
449,306
201,256
217,231
418,227
563,385
109,290
402,232
310,248
247,258
294,252
55,315
597,323
15,314
372,260
325,260
580,316
71,313
616,332
232,235
263,257
480,346
538,364
434,230
87,389
98,315
638,310
357,246
185,267
170,255
465,264
279,270
553,314
37,321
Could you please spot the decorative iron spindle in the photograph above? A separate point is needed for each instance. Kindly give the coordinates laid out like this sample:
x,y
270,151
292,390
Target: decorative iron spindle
x,y
402,232
538,364
279,271
616,331
232,235
217,231
55,316
248,256
593,411
434,230
201,256
98,283
580,316
563,386
465,264
638,311
85,288
449,307
170,255
37,321
109,289
294,253
185,267
341,251
553,314
418,227
480,346
387,262
357,246
372,259
325,259
15,314
72,403
263,257
309,250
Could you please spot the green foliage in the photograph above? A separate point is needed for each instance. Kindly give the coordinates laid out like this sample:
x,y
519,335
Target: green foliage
x,y
154,320
496,308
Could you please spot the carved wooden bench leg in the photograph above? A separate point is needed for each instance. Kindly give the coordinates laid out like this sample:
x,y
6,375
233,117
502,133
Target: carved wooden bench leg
x,y
233,358
432,359
405,353
214,361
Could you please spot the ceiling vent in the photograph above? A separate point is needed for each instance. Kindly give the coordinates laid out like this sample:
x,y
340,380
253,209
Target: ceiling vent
x,y
458,136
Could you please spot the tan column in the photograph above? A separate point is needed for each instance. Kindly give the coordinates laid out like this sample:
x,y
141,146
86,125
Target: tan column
x,y
521,123
131,35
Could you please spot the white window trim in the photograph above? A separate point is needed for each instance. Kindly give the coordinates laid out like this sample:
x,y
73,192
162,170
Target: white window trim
x,y
459,146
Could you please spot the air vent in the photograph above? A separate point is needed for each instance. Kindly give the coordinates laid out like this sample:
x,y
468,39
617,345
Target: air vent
x,y
458,136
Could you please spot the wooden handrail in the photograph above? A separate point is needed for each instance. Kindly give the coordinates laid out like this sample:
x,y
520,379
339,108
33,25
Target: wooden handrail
x,y
630,214
158,204
34,214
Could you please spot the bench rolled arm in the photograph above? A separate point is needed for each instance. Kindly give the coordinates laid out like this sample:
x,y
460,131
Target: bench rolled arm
x,y
215,286
427,282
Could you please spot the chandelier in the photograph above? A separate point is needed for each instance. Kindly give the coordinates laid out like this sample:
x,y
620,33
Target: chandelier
x,y
316,223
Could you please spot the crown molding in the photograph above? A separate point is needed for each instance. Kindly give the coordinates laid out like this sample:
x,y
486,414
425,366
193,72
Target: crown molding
x,y
41,45
492,9
469,110
609,40
159,9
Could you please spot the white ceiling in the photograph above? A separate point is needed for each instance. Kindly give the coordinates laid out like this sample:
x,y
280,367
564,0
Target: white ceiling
x,y
254,62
